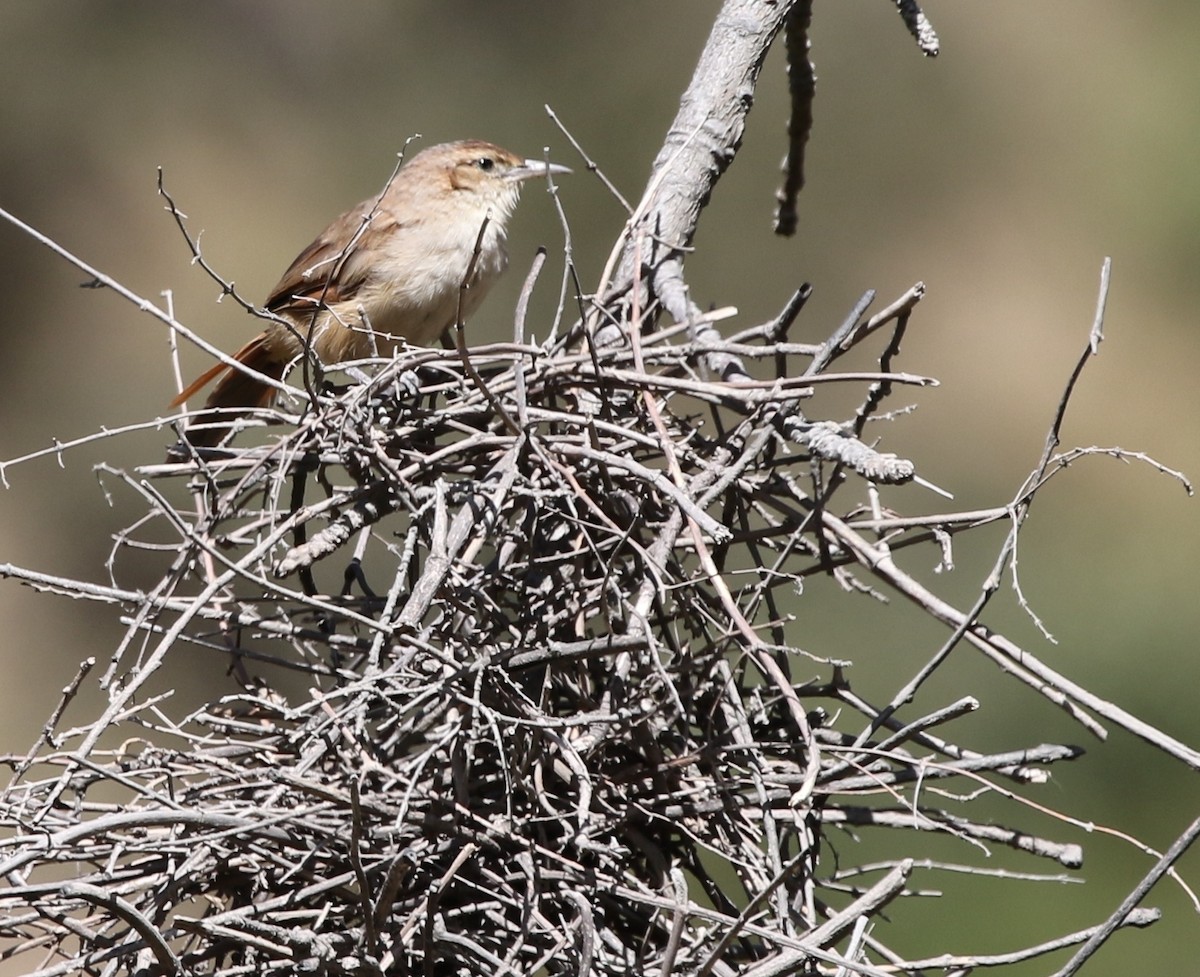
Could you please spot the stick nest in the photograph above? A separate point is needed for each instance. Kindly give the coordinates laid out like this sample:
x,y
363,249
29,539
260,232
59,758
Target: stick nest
x,y
520,685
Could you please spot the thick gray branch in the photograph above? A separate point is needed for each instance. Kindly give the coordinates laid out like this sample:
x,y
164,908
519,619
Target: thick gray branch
x,y
700,145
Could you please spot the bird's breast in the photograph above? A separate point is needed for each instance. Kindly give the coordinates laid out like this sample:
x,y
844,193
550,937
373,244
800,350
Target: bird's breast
x,y
415,291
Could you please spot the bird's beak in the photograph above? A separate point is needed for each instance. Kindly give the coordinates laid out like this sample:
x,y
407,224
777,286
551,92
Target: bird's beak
x,y
534,168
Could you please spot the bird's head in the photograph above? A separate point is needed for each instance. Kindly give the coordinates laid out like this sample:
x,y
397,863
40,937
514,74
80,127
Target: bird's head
x,y
490,177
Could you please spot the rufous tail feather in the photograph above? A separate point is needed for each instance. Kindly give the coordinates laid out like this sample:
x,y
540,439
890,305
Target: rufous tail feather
x,y
234,389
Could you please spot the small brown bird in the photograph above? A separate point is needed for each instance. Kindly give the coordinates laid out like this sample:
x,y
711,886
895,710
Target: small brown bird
x,y
390,270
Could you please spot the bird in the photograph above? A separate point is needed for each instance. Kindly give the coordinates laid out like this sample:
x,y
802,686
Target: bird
x,y
391,270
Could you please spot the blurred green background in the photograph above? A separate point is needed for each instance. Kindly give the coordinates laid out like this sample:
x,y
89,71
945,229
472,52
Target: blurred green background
x,y
1045,137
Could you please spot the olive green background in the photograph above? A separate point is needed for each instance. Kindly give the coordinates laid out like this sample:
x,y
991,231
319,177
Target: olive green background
x,y
1045,137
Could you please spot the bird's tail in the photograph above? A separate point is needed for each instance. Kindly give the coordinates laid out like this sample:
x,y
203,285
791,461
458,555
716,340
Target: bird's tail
x,y
234,390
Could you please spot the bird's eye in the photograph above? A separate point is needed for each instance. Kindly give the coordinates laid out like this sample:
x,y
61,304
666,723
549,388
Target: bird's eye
x,y
485,163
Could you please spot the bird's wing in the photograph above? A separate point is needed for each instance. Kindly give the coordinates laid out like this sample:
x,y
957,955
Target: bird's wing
x,y
334,267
